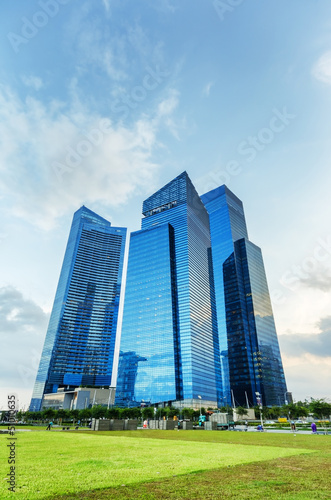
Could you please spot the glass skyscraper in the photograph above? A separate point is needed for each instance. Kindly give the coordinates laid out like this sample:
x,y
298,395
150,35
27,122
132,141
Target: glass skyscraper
x,y
80,340
169,345
249,350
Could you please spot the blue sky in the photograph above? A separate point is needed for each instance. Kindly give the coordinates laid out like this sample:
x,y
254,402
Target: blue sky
x,y
104,101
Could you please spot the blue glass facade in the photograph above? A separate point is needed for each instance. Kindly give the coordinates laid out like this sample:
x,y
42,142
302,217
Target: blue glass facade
x,y
255,364
169,343
249,349
80,340
227,224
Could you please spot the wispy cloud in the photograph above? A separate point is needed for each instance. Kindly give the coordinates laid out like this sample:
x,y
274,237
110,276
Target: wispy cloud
x,y
32,81
33,136
106,4
307,376
22,323
316,344
207,88
165,111
307,360
319,280
169,104
322,68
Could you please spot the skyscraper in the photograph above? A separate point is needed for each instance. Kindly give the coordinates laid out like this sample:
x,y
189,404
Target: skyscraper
x,y
169,345
80,340
249,350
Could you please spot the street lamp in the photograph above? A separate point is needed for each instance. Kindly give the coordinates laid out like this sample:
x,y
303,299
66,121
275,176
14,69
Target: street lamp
x,y
200,404
285,398
259,402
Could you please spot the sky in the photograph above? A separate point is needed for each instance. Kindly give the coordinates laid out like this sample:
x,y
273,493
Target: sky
x,y
102,102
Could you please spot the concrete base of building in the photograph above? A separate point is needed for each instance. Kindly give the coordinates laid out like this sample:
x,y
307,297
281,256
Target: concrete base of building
x,y
195,404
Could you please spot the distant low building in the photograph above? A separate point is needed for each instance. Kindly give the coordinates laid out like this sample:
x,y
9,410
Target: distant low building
x,y
78,398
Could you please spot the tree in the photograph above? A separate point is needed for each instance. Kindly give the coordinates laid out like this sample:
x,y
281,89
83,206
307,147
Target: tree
x,y
74,415
113,412
241,411
302,411
148,412
61,414
172,412
99,411
48,414
196,414
85,414
135,412
188,413
320,408
130,412
275,412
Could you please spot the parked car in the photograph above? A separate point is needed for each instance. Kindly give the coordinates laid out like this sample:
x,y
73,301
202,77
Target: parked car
x,y
270,422
299,422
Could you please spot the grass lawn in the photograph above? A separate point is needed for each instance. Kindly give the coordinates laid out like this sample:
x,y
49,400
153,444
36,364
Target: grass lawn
x,y
168,465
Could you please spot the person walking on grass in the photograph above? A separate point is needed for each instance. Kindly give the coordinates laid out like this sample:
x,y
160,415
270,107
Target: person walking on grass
x,y
313,428
48,428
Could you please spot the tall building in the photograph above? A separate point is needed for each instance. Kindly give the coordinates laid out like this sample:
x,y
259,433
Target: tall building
x,y
80,340
249,350
169,344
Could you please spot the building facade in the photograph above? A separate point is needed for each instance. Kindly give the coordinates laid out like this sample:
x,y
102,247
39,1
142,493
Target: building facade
x,y
249,350
169,344
80,340
198,326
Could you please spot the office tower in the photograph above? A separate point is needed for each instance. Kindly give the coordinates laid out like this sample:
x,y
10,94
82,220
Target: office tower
x,y
169,345
80,340
249,350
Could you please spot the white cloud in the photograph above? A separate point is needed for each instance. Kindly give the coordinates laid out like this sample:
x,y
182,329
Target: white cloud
x,y
168,105
307,361
106,4
308,376
35,139
23,326
32,81
207,88
322,69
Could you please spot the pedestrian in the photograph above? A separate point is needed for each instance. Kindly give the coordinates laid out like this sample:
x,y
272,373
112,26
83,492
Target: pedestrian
x,y
292,425
48,428
246,425
313,428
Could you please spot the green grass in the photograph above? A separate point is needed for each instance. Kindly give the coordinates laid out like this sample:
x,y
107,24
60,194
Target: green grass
x,y
168,464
